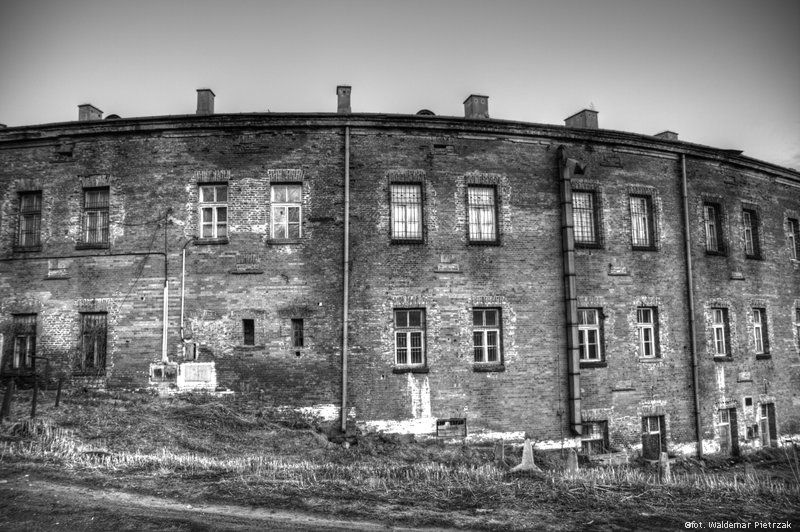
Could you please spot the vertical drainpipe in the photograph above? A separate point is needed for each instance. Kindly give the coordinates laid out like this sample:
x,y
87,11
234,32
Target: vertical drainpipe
x,y
164,357
566,167
346,273
690,293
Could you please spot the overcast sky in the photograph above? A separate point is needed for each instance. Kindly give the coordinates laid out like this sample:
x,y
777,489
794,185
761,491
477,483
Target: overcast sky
x,y
725,73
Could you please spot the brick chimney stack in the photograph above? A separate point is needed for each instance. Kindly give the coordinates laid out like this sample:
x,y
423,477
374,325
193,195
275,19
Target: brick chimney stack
x,y
586,119
205,102
667,135
343,92
88,111
476,106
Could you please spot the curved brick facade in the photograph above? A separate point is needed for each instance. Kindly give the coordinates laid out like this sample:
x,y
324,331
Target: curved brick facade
x,y
481,267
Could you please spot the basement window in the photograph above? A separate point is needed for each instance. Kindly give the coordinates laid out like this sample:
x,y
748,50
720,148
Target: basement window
x,y
249,331
595,437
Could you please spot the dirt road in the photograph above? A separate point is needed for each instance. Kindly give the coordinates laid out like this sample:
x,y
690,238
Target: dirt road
x,y
33,504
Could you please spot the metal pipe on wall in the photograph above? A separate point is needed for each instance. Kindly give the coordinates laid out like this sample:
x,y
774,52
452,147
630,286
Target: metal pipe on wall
x,y
566,167
690,294
346,273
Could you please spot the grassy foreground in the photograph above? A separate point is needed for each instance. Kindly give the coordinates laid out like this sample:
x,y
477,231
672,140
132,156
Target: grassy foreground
x,y
200,449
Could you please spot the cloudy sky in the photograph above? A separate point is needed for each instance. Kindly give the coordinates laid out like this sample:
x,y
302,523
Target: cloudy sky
x,y
725,73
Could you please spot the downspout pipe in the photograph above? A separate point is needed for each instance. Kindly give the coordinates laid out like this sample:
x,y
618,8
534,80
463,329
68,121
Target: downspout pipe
x,y
566,167
690,296
165,318
345,274
183,292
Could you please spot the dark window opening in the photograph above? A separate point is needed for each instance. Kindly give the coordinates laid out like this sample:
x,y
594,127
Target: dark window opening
x,y
752,244
30,219
93,342
712,219
249,331
298,339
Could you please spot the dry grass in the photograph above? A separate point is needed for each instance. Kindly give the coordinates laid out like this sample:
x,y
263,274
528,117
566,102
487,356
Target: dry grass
x,y
249,454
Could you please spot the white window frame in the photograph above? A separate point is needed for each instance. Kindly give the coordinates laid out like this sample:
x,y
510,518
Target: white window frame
x,y
650,429
760,340
719,327
219,228
584,218
585,331
276,227
794,234
642,233
482,213
712,220
482,331
646,319
403,329
405,206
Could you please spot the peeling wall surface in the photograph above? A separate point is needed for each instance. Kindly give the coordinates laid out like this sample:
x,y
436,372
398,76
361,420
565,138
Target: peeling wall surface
x,y
262,299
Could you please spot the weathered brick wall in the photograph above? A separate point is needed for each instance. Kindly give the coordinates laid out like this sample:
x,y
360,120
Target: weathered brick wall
x,y
153,178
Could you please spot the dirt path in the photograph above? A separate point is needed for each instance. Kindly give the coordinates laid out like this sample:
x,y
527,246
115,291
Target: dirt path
x,y
35,504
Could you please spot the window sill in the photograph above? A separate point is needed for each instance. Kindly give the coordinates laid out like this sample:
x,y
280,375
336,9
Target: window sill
x,y
283,241
588,245
410,369
594,364
763,356
723,358
488,367
644,248
483,242
407,242
210,241
27,249
650,360
245,272
84,245
716,253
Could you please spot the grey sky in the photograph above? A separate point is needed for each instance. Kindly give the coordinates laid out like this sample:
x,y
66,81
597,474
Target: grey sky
x,y
720,72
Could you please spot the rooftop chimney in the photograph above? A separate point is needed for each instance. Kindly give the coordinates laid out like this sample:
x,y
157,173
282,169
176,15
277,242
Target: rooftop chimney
x,y
476,106
88,111
343,92
205,102
585,119
667,135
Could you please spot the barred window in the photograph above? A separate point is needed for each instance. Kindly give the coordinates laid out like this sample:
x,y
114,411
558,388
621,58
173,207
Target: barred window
x,y
589,337
482,214
642,234
95,216
30,219
646,320
409,337
486,335
24,342
752,247
584,211
595,437
287,211
93,342
406,211
213,211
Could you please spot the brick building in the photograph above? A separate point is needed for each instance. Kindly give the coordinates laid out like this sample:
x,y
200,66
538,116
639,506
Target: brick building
x,y
590,287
